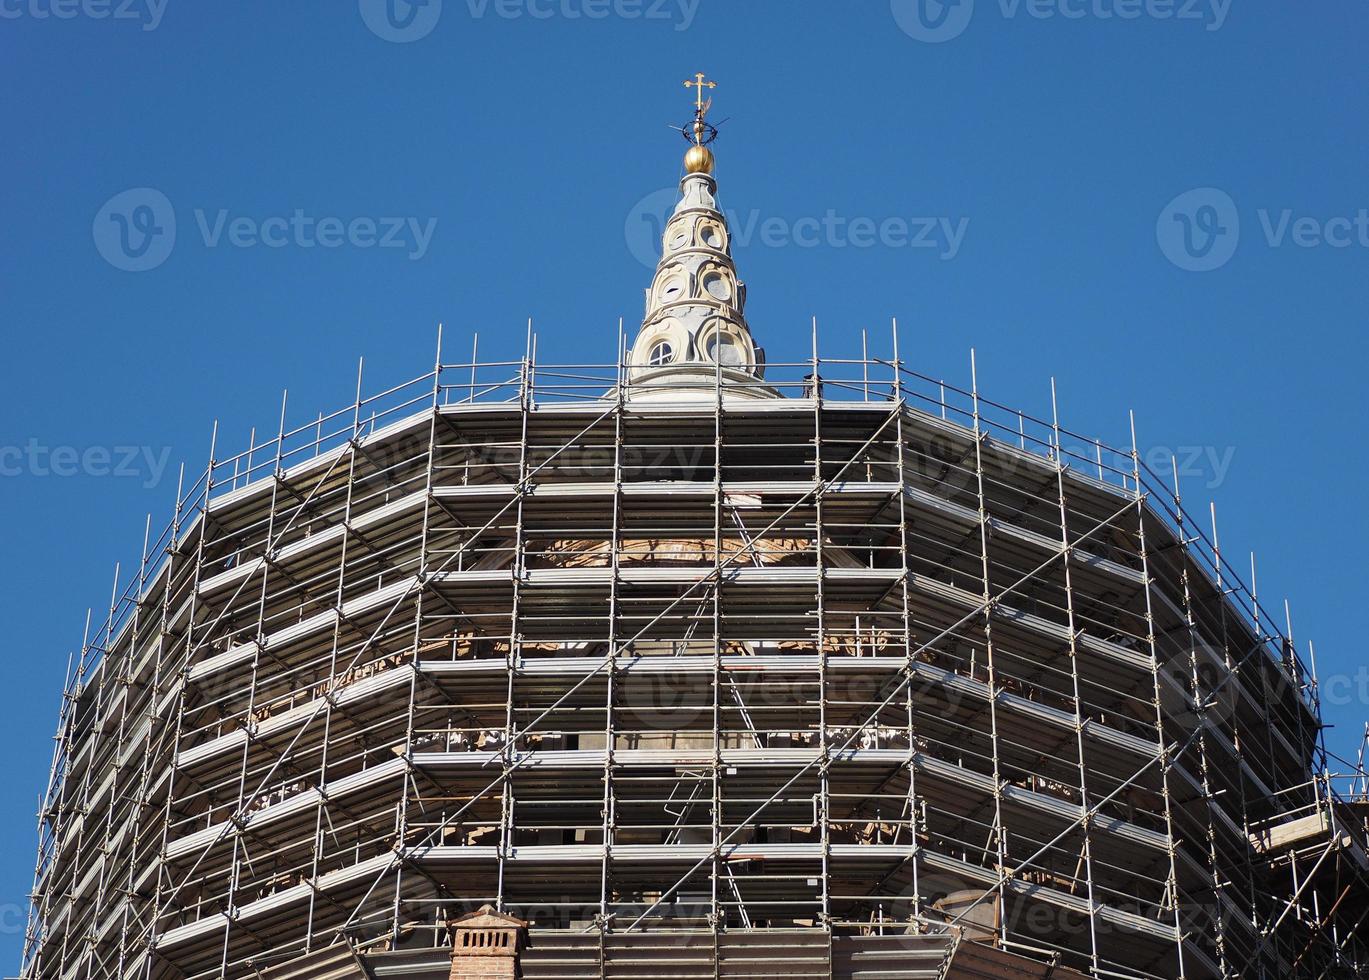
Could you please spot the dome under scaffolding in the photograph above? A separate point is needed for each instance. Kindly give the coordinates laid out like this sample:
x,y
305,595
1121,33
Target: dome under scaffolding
x,y
690,665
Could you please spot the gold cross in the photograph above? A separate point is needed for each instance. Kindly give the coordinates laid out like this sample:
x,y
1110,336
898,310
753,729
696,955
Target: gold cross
x,y
700,84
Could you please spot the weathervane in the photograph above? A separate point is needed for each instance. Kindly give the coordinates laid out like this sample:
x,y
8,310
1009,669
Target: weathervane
x,y
700,132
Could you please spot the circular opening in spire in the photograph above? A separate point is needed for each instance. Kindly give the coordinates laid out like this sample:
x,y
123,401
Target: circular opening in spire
x,y
662,352
718,284
711,235
672,285
724,346
660,344
723,349
677,236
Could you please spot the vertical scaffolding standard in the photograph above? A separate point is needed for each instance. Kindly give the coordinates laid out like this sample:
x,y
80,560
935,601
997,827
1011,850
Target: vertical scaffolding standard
x,y
695,676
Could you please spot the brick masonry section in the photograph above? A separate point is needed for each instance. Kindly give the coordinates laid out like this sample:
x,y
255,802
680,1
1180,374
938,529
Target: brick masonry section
x,y
485,945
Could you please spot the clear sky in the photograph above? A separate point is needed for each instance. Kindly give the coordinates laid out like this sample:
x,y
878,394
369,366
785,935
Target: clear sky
x,y
1159,202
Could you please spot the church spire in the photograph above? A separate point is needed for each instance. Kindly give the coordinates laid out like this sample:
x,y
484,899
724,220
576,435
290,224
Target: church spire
x,y
695,328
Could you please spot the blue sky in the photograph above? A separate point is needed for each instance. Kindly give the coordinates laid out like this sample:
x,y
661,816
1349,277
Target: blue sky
x,y
1159,203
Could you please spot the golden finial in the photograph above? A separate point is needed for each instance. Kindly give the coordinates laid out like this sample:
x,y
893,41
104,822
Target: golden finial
x,y
699,158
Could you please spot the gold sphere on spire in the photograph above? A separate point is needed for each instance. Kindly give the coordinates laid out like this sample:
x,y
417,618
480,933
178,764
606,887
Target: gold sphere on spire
x,y
699,160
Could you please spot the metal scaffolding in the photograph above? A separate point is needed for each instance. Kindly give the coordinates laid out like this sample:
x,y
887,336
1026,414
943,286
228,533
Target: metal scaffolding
x,y
876,658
